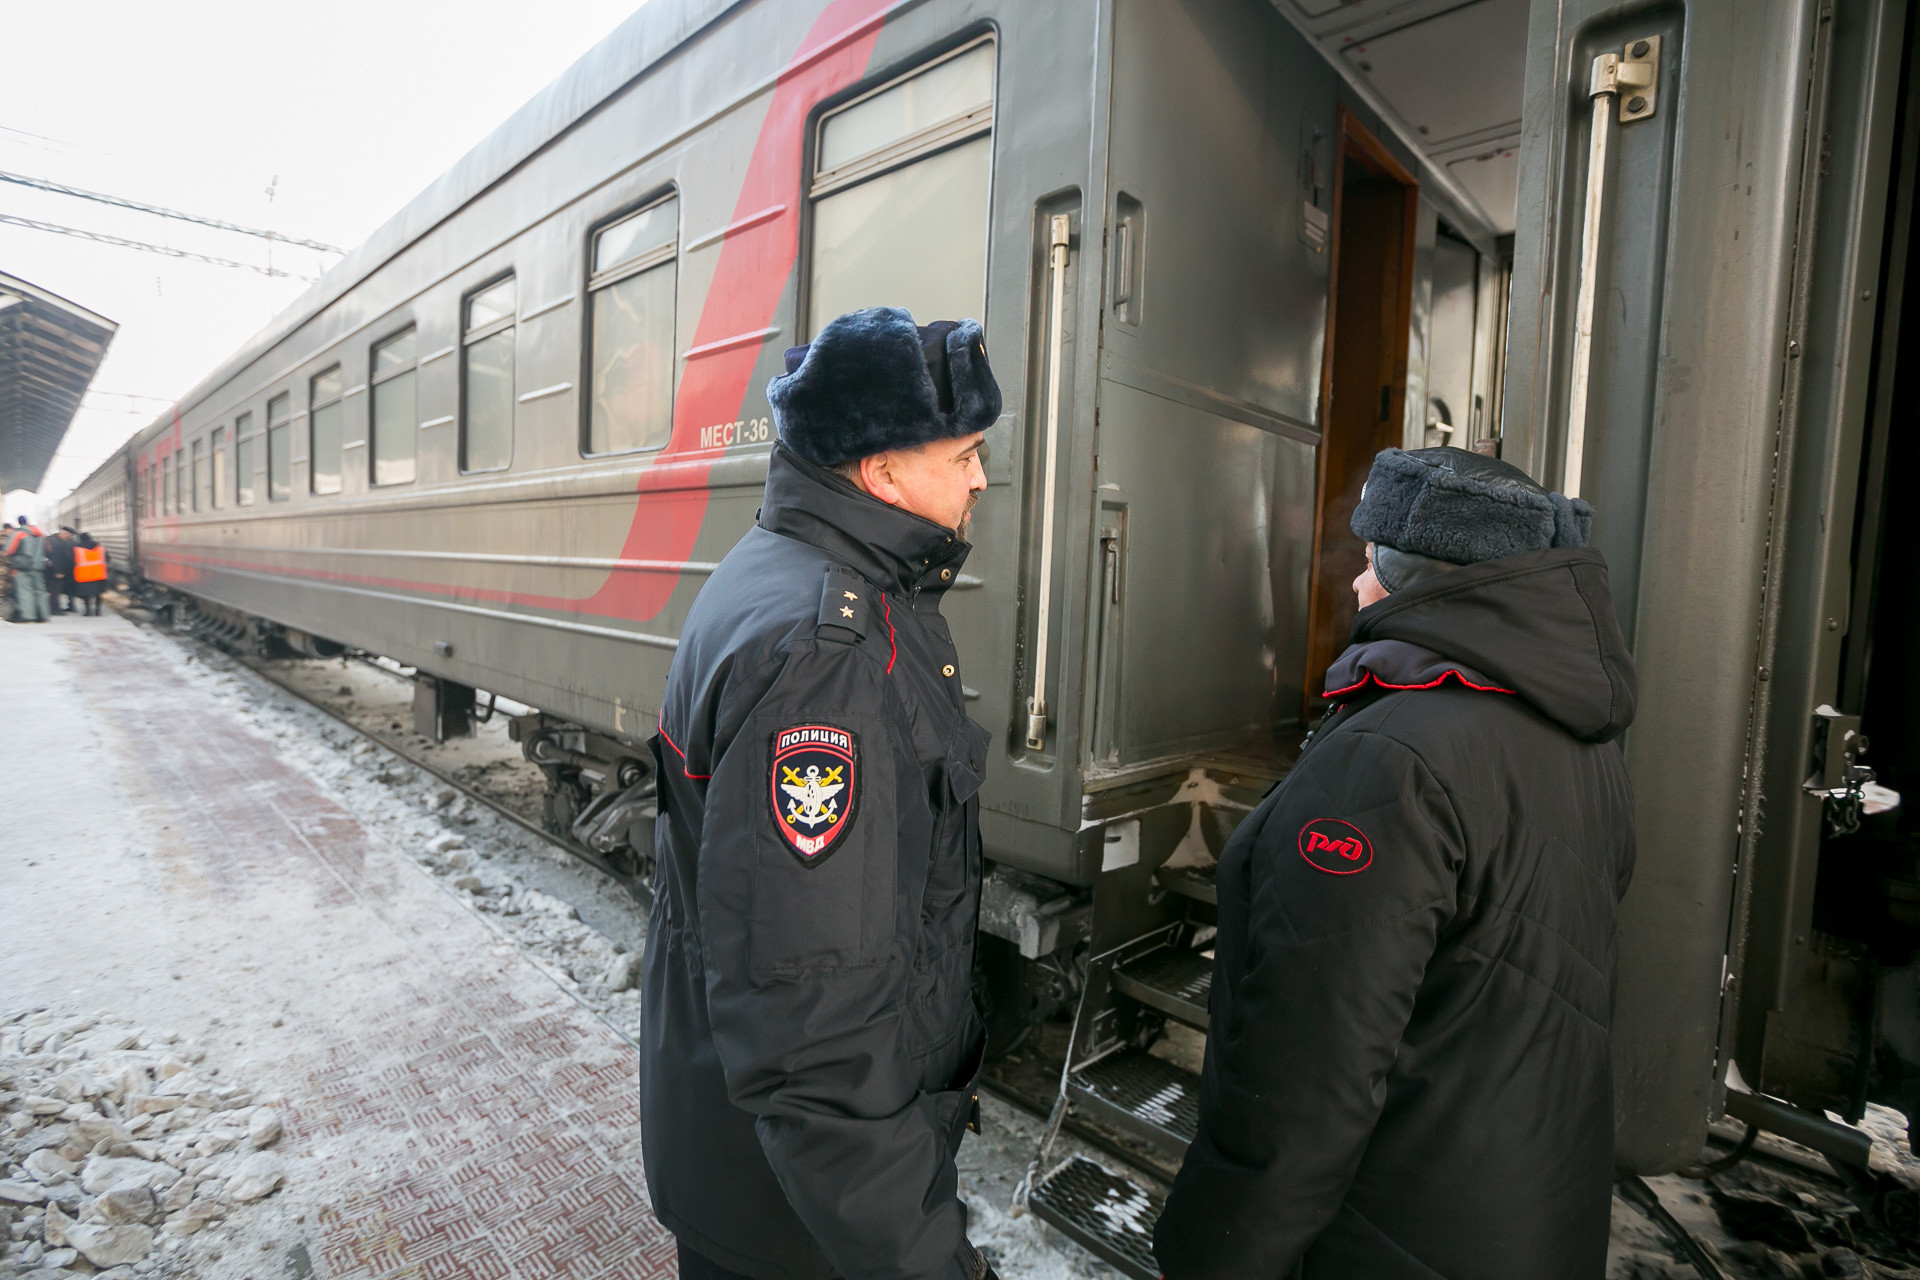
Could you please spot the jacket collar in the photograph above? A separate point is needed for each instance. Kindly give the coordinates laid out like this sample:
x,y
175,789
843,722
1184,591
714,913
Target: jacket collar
x,y
890,547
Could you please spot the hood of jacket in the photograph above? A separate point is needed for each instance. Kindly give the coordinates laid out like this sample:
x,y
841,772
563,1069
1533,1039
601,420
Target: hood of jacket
x,y
1539,626
891,547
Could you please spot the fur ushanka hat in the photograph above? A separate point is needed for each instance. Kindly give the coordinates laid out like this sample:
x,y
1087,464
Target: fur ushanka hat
x,y
872,380
1430,510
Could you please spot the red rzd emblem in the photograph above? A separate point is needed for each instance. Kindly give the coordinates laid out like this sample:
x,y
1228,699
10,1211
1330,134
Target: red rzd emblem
x,y
813,789
1335,847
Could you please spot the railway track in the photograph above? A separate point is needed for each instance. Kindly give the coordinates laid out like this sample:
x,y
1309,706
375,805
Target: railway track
x,y
397,745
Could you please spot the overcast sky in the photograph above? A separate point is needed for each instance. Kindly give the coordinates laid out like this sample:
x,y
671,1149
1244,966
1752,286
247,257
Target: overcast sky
x,y
345,109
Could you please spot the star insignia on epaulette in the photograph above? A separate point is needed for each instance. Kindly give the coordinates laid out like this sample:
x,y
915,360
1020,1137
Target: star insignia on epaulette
x,y
849,595
845,612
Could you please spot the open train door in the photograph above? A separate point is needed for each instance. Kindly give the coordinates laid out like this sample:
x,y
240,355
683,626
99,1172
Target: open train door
x,y
1700,280
1364,374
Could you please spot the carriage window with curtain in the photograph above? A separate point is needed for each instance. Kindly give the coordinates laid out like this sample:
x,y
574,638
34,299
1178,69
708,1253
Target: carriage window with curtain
x,y
217,458
396,417
486,378
902,168
631,339
325,414
280,447
197,477
243,460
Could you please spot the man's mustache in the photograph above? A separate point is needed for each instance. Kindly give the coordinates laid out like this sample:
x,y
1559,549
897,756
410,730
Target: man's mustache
x,y
966,517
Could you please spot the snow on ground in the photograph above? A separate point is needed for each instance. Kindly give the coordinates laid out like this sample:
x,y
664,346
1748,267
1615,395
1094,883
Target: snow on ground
x,y
121,1143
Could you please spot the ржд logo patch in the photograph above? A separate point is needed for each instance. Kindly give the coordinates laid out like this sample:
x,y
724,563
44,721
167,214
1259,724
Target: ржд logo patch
x,y
814,788
1335,847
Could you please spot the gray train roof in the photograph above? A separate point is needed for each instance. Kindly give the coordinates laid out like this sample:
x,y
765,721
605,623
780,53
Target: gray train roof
x,y
49,351
634,46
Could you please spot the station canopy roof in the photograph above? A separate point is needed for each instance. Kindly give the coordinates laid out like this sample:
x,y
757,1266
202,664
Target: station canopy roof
x,y
49,351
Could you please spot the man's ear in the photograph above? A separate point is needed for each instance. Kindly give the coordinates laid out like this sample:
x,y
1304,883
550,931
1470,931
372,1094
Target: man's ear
x,y
876,477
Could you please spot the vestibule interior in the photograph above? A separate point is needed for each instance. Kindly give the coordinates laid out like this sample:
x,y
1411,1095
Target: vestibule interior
x,y
1375,223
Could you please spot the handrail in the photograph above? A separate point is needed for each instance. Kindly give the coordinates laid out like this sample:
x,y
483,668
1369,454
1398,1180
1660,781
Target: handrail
x,y
1635,74
1058,231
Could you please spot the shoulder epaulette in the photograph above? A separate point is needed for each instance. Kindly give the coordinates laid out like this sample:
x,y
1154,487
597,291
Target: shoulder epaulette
x,y
844,601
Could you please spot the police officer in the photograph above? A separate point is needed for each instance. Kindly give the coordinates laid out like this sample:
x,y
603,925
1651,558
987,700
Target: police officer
x,y
810,1045
1408,1072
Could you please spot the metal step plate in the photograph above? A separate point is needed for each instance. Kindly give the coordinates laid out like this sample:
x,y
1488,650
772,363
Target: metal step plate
x,y
1103,1213
1174,980
1193,882
1140,1094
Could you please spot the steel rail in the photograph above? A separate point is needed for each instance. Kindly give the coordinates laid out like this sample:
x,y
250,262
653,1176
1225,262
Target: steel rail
x,y
254,665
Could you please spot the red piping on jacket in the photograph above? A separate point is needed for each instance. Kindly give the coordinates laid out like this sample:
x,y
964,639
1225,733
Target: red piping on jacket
x,y
893,650
1372,679
661,722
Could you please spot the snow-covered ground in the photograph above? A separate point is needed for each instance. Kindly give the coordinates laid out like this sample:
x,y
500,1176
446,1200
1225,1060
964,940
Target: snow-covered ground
x,y
583,932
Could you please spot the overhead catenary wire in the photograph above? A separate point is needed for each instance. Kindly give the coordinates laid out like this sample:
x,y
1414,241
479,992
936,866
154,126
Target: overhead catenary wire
x,y
121,202
171,252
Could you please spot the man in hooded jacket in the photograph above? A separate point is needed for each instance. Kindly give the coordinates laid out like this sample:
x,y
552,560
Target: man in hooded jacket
x,y
27,556
1408,1074
810,1043
92,568
59,571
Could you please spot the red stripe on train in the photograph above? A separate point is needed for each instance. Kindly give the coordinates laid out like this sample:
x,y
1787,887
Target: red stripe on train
x,y
752,273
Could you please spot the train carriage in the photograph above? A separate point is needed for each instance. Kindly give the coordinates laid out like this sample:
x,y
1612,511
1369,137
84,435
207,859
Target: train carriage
x,y
1224,251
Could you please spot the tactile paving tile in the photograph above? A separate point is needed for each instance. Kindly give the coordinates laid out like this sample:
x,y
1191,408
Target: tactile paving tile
x,y
503,1114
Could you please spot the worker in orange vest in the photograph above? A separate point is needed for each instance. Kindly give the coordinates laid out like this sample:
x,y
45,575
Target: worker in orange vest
x,y
89,573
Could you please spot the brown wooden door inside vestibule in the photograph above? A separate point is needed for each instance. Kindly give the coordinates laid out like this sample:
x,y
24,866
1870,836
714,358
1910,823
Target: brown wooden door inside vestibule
x,y
1364,381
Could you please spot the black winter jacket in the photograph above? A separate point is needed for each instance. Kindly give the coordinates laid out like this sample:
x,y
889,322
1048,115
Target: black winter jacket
x,y
1408,1075
810,1042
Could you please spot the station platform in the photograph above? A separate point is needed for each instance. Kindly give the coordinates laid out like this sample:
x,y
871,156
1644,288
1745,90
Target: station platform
x,y
449,1111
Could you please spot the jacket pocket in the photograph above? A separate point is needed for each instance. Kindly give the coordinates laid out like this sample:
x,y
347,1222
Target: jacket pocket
x,y
958,830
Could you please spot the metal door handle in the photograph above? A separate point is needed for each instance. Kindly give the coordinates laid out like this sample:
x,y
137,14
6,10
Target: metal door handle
x,y
1058,231
1636,75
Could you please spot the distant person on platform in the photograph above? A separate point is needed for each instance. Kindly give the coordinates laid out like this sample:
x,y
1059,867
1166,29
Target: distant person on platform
x,y
1408,1073
90,573
59,571
810,1044
27,556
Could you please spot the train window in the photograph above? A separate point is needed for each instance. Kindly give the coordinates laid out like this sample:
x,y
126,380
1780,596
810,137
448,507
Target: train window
x,y
396,409
324,415
243,460
486,378
280,447
217,458
631,341
906,166
198,476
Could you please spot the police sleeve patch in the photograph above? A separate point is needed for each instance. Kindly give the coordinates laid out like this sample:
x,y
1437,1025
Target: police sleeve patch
x,y
815,788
